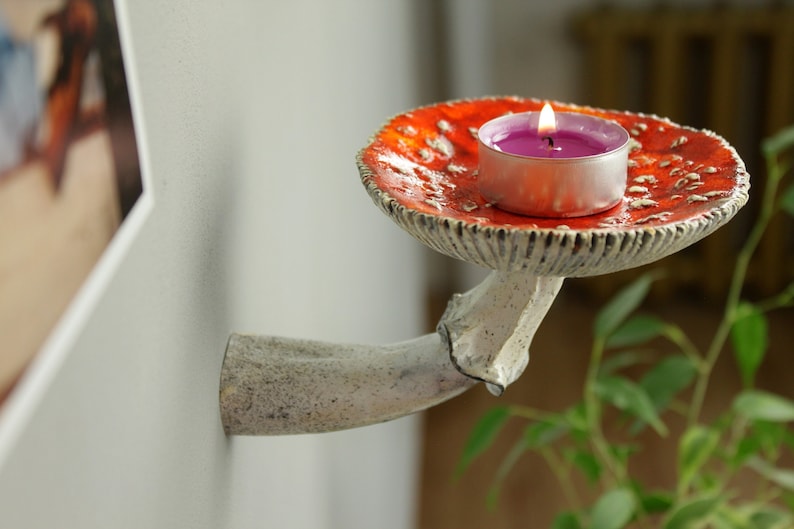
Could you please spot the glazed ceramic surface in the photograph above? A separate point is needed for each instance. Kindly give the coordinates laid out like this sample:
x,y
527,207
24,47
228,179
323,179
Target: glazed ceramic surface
x,y
420,168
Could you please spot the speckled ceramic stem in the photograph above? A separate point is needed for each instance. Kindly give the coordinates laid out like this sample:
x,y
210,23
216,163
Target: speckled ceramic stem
x,y
489,328
273,386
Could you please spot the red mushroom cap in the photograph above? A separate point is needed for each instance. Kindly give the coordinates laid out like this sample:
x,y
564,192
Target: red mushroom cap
x,y
420,169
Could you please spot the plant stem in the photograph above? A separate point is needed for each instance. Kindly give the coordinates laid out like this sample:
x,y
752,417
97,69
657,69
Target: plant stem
x,y
601,448
563,477
593,414
737,432
774,176
782,299
680,339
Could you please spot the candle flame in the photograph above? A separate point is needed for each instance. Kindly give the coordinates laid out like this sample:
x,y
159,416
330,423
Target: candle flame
x,y
547,122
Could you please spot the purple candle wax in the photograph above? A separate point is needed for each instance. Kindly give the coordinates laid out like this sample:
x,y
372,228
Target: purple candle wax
x,y
566,144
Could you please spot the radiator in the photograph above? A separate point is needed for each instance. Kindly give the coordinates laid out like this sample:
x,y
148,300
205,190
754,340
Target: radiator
x,y
730,70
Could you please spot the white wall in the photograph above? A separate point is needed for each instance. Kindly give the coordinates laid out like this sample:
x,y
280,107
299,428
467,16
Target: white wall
x,y
252,115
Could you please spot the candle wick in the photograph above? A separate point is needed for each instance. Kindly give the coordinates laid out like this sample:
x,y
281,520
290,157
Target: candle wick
x,y
550,140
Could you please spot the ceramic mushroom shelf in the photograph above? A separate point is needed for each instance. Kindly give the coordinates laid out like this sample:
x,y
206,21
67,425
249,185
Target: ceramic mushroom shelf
x,y
421,169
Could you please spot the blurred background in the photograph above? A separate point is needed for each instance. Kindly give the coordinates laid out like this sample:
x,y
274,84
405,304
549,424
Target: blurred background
x,y
725,66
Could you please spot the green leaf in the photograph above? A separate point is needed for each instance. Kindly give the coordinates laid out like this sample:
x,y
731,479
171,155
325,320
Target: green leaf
x,y
787,200
780,476
770,518
656,502
696,446
788,439
618,361
683,515
587,463
749,334
636,331
770,436
727,517
577,416
708,482
746,447
482,436
613,510
566,520
760,405
627,396
622,452
619,307
671,375
788,499
763,438
541,433
779,142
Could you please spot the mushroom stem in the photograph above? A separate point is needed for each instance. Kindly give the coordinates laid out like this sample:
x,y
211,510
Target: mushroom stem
x,y
490,327
271,385
274,386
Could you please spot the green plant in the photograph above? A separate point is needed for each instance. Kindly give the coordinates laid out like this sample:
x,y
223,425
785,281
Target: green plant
x,y
752,433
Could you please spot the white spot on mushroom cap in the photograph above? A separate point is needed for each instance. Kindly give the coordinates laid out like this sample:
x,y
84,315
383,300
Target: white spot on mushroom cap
x,y
645,179
679,141
656,216
433,202
402,165
642,159
643,203
440,144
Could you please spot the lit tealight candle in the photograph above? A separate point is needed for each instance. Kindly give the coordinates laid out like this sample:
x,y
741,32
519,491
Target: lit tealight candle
x,y
544,164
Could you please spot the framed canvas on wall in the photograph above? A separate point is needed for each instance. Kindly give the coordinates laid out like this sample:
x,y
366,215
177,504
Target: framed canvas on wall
x,y
70,173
